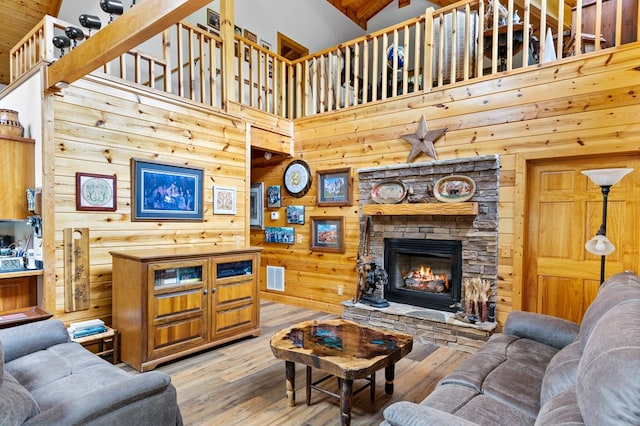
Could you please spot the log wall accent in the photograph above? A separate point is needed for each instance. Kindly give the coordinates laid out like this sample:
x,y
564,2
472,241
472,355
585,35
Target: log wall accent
x,y
98,127
579,107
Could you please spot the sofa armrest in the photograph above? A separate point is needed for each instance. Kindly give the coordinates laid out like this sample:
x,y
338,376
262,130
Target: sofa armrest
x,y
32,337
552,331
106,401
406,413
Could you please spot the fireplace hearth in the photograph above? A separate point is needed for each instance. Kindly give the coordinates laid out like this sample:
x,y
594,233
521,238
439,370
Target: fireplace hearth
x,y
425,273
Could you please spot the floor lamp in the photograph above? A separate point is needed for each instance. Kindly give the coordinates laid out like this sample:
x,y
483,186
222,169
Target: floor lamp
x,y
605,179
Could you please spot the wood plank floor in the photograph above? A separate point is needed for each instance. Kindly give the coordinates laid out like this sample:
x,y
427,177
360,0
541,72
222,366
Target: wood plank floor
x,y
242,383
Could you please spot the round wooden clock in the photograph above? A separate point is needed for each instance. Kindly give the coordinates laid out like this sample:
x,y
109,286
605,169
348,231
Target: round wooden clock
x,y
297,178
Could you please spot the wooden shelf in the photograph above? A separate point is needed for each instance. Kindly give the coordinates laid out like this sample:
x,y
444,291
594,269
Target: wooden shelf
x,y
441,209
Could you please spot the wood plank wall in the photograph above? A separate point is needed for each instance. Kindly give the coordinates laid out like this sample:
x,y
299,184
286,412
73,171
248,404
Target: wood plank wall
x,y
578,107
99,127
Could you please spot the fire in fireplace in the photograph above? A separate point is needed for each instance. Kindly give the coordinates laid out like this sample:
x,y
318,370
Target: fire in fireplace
x,y
426,273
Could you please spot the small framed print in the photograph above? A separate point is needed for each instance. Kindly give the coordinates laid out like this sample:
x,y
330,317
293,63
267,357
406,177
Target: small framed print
x,y
213,19
334,187
96,192
224,200
279,234
273,196
295,215
327,234
265,44
250,36
256,206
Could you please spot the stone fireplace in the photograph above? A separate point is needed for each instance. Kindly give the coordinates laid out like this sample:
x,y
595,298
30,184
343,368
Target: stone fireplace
x,y
428,248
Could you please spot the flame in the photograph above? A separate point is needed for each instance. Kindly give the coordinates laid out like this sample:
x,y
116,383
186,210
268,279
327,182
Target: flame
x,y
426,273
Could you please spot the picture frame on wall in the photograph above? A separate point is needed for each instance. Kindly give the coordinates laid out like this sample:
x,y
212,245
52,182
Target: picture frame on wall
x,y
327,234
256,206
250,36
224,200
335,187
166,191
295,215
96,192
274,198
213,19
279,234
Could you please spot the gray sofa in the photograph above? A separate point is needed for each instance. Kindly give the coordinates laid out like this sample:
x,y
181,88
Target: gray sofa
x,y
45,379
546,371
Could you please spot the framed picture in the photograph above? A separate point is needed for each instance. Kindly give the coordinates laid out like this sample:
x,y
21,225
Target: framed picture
x,y
250,36
295,215
213,19
273,196
256,206
334,187
327,233
265,44
166,191
96,192
279,234
224,200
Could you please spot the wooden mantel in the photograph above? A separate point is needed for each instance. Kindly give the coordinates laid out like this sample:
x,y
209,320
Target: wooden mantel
x,y
443,209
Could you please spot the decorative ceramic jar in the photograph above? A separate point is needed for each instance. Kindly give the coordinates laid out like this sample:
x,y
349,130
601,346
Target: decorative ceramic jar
x,y
9,123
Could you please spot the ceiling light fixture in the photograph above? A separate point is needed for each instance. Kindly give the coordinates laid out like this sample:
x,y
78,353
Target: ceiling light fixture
x,y
91,22
75,34
61,42
112,7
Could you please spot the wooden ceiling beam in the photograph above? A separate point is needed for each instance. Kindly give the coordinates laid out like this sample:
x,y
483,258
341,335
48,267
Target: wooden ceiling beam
x,y
135,26
349,12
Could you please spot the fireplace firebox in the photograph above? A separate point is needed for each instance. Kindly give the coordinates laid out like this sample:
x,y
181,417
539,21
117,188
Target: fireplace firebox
x,y
426,273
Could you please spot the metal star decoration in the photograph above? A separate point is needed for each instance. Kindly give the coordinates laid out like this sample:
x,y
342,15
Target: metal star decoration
x,y
423,140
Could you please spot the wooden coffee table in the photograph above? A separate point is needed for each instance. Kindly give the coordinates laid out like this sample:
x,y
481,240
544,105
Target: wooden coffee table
x,y
340,348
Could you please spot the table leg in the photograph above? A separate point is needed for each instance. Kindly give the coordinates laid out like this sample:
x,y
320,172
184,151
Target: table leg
x,y
346,391
372,389
389,373
308,386
290,375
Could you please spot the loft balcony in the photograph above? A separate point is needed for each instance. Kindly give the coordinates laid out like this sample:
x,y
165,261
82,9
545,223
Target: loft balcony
x,y
450,46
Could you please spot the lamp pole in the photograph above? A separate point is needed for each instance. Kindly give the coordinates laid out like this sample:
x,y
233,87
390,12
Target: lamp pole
x,y
605,179
603,226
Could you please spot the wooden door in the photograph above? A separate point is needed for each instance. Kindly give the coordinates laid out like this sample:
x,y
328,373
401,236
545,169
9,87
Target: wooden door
x,y
565,211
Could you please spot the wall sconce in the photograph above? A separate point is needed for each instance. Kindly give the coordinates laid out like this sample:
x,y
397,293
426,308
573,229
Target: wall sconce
x,y
267,155
112,7
75,34
605,179
91,22
61,42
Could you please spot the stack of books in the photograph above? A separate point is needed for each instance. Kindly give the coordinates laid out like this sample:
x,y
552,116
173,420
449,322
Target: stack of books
x,y
86,328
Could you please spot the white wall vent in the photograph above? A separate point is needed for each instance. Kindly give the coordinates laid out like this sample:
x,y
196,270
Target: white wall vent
x,y
275,278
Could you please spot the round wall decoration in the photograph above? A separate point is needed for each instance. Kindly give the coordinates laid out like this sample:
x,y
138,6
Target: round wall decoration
x,y
297,178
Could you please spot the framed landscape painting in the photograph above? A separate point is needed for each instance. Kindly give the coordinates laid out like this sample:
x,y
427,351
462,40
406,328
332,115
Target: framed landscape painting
x,y
334,187
166,191
327,234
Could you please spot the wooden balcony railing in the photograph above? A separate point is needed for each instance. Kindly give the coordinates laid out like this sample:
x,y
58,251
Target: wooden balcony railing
x,y
450,45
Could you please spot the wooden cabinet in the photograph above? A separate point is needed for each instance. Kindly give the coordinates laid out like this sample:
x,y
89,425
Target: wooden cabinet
x,y
173,302
17,164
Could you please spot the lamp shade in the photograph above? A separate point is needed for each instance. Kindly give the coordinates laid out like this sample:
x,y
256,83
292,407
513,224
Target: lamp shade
x,y
599,245
606,177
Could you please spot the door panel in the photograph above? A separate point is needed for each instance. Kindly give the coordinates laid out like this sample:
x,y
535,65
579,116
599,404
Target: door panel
x,y
564,211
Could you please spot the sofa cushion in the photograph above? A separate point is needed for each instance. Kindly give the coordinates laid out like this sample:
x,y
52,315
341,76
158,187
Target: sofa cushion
x,y
63,371
608,375
620,288
473,406
19,341
562,409
492,369
560,374
16,403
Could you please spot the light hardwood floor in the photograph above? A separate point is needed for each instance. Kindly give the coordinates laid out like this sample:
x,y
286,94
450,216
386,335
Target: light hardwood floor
x,y
242,383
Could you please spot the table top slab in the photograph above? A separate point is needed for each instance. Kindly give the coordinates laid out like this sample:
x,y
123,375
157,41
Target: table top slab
x,y
340,347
